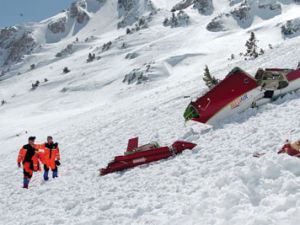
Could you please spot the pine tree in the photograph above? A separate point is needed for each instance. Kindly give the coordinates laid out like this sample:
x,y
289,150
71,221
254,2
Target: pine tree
x,y
251,45
261,52
209,80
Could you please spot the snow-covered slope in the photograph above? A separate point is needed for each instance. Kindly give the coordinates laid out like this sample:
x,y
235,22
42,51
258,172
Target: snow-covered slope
x,y
92,113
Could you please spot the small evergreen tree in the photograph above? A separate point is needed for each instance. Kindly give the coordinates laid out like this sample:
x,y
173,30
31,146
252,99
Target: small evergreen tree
x,y
209,80
270,46
3,102
174,21
35,85
166,22
66,70
251,46
91,57
261,52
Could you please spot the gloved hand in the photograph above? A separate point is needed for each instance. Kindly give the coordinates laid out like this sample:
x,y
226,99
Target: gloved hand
x,y
57,162
19,165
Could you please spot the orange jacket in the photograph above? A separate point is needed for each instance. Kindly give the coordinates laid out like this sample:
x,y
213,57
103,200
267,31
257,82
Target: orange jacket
x,y
49,153
29,157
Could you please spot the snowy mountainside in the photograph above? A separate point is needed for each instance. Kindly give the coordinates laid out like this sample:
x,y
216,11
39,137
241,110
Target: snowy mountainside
x,y
91,112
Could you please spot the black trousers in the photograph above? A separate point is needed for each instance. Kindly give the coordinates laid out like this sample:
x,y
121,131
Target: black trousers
x,y
27,174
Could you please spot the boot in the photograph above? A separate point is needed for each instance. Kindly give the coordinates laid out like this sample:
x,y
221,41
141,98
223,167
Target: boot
x,y
55,174
26,183
46,177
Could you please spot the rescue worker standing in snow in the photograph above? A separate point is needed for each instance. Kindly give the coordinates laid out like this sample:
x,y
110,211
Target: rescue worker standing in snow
x,y
50,158
29,157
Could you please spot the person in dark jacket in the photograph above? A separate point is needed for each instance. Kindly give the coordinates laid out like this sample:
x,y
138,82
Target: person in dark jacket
x,y
30,159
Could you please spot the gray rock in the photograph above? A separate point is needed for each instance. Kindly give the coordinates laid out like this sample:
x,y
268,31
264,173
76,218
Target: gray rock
x,y
58,26
216,25
291,28
181,19
17,42
130,11
182,5
132,55
66,51
77,11
135,76
204,7
242,12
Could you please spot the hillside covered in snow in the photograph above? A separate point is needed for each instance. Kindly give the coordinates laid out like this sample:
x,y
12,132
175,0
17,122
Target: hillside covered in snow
x,y
104,71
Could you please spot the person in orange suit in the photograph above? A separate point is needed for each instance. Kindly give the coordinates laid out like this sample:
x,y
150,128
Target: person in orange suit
x,y
30,159
50,157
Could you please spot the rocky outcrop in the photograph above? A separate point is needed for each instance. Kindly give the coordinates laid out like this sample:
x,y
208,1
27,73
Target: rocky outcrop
x,y
140,75
217,24
181,19
135,76
132,10
78,11
205,7
58,26
291,28
243,13
182,5
16,42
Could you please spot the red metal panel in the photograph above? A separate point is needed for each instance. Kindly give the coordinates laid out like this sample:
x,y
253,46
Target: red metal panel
x,y
132,144
121,165
293,75
144,157
234,85
141,154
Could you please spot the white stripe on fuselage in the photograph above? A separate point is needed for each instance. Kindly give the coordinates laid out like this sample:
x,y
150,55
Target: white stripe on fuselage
x,y
245,101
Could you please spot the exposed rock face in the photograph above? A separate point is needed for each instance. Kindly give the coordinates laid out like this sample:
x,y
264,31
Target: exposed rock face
x,y
58,26
130,11
270,6
182,5
66,51
291,28
243,12
135,76
77,11
204,7
269,10
6,34
140,75
16,43
217,24
77,14
180,20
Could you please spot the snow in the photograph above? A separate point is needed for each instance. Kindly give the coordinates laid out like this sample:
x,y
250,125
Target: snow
x,y
92,114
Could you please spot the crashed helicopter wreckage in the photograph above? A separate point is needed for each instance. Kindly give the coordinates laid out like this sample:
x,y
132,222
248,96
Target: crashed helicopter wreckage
x,y
135,156
239,91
